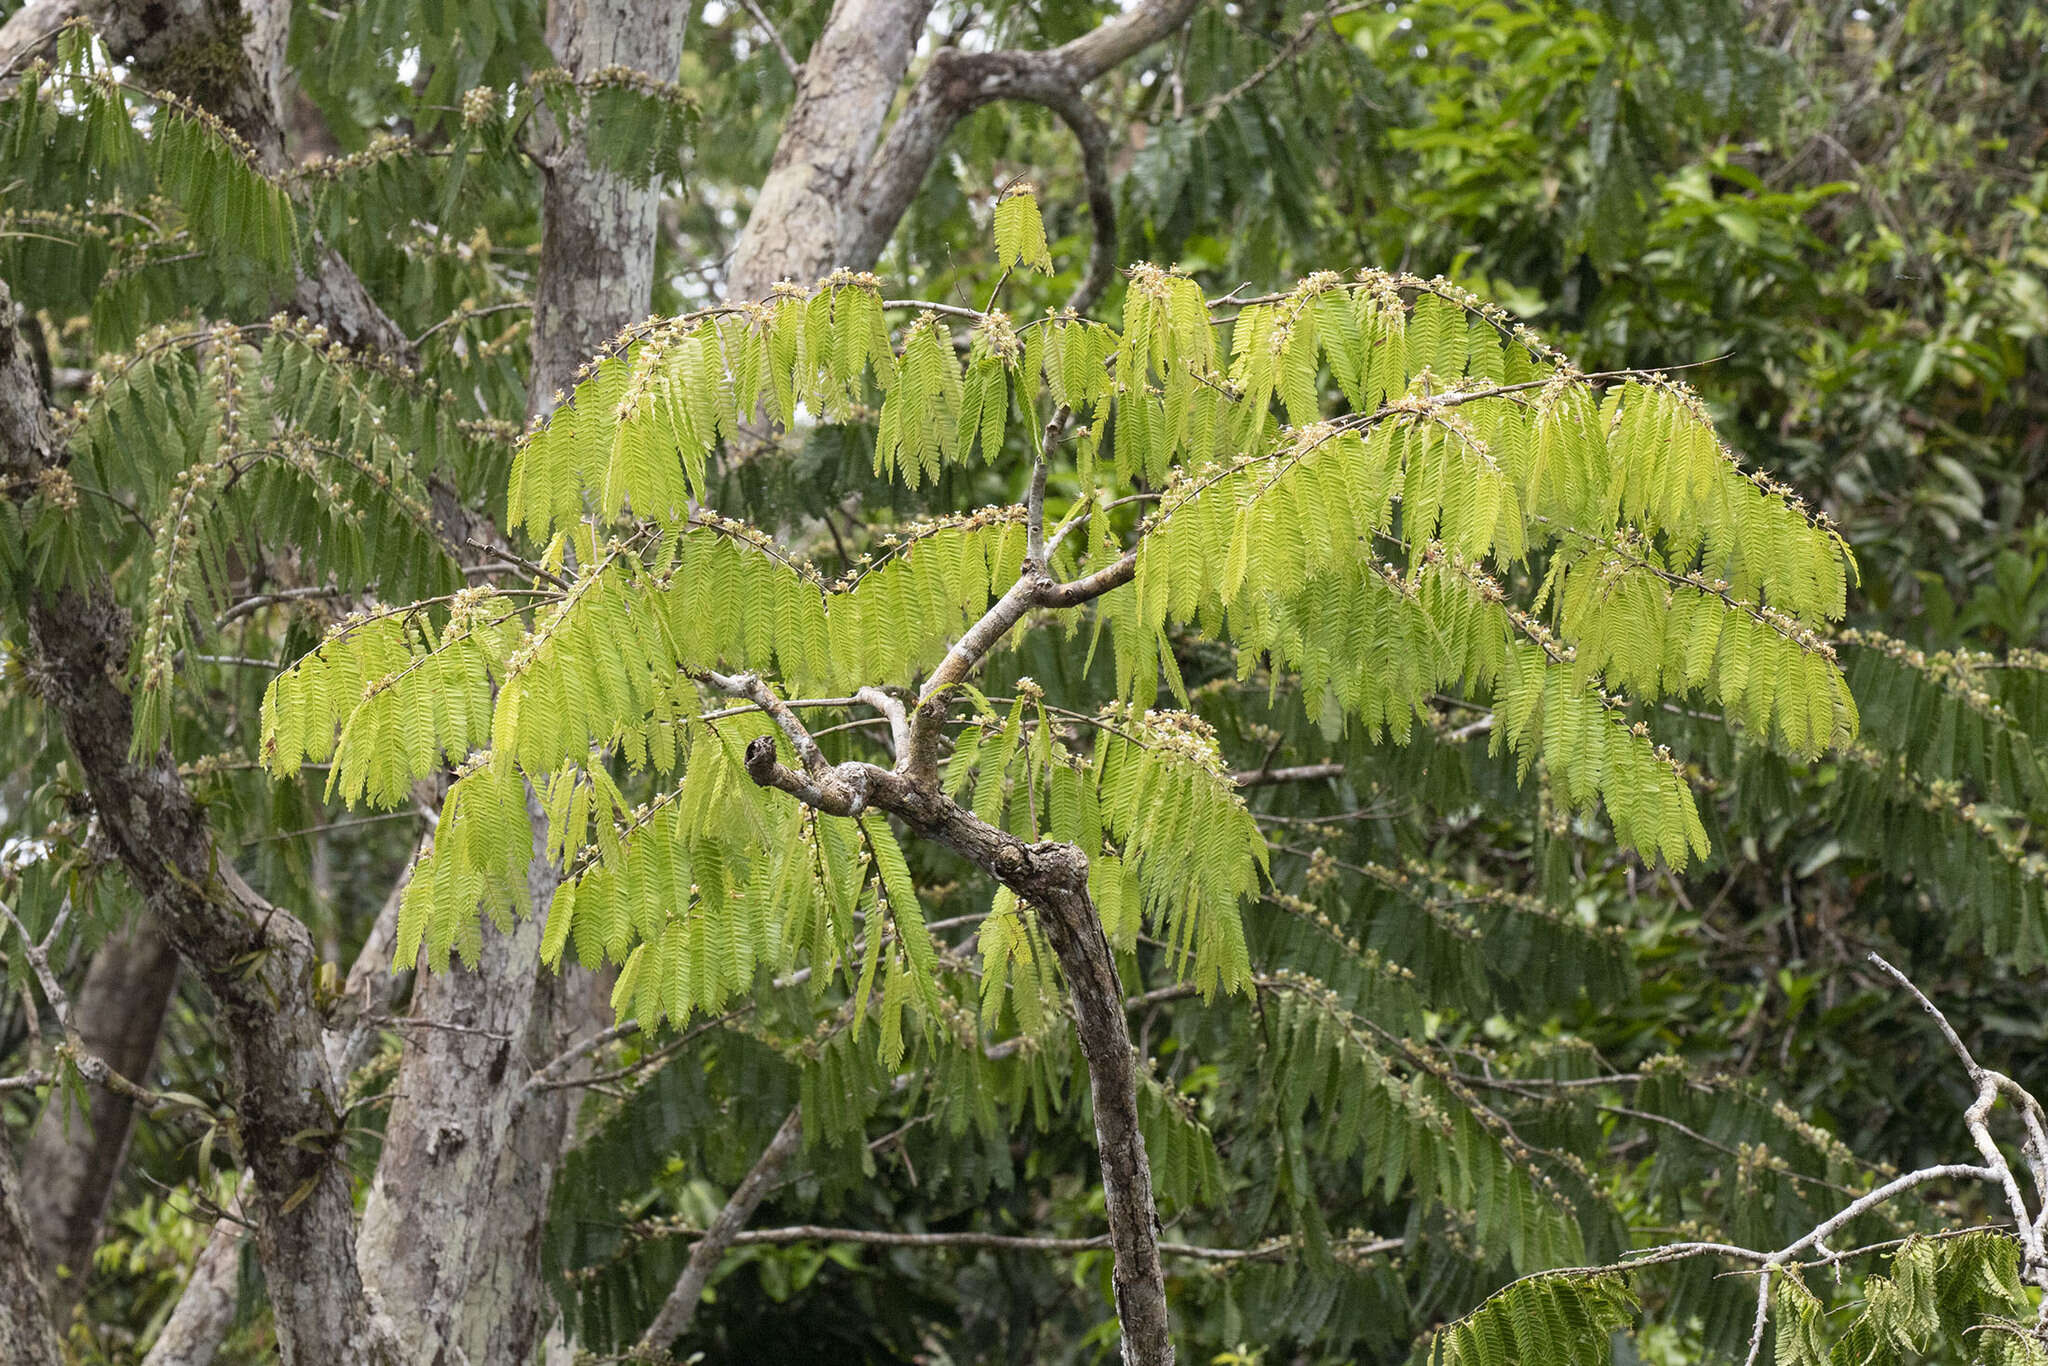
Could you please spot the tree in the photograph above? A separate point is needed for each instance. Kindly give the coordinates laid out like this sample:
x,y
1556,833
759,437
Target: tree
x,y
1466,441
1257,1158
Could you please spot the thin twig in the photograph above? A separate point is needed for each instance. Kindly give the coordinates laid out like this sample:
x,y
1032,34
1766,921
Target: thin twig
x,y
789,63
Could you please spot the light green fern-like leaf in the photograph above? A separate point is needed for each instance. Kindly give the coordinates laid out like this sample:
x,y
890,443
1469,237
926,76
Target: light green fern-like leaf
x,y
1019,233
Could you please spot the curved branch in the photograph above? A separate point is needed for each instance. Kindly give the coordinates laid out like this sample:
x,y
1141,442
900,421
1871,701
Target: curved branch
x,y
958,83
1093,136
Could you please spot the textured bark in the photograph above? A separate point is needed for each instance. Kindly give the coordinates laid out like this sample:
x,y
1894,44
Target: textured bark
x,y
597,230
450,1243
206,1309
74,1153
256,959
451,1235
258,963
28,1336
209,51
798,229
1074,932
1053,877
680,1307
829,201
29,31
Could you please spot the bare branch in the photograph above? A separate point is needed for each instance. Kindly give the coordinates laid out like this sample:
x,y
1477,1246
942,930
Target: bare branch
x,y
533,570
789,63
89,1064
797,702
1089,587
1947,1030
1301,773
1292,48
929,716
969,315
1034,502
1093,136
680,1307
1275,1250
892,708
755,690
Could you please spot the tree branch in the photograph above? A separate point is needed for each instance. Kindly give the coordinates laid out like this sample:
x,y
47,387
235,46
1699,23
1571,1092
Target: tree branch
x,y
890,707
1300,773
1274,1251
957,83
673,1319
206,1307
1053,877
88,1063
752,687
1034,499
789,63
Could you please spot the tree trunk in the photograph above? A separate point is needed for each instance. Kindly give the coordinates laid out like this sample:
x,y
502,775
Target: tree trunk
x,y
597,229
452,1232
798,228
206,1309
74,1153
28,1336
257,960
833,197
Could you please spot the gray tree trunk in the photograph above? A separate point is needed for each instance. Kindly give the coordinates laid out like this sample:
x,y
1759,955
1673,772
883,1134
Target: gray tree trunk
x,y
837,187
206,1309
28,1336
797,230
74,1153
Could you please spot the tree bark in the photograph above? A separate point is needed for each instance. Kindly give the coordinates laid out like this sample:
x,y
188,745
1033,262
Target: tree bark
x,y
833,197
256,959
957,83
597,229
205,1310
28,1335
74,1153
1074,932
450,1242
798,228
227,56
1053,877
451,1235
